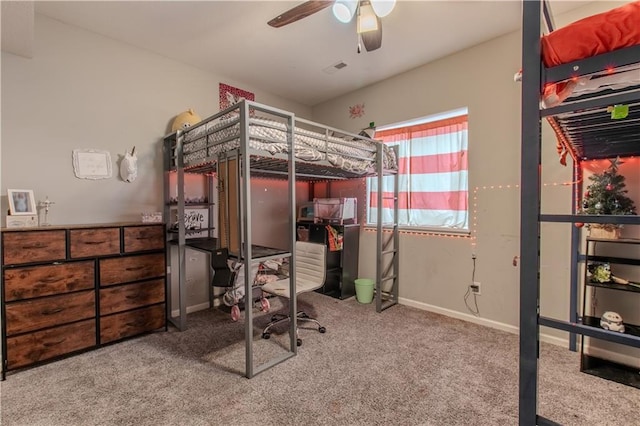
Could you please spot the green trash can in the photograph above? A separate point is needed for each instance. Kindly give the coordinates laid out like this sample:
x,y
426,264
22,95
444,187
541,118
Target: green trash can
x,y
364,290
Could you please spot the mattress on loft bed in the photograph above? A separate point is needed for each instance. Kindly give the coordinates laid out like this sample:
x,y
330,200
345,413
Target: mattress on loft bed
x,y
592,84
214,137
605,32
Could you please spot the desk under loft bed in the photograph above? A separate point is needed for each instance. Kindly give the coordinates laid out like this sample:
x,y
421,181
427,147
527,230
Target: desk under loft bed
x,y
555,67
248,140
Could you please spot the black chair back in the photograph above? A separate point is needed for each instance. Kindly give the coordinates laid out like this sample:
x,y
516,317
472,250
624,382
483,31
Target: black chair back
x,y
223,276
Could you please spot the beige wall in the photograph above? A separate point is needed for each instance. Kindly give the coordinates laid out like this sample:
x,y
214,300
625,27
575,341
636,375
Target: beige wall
x,y
82,90
435,271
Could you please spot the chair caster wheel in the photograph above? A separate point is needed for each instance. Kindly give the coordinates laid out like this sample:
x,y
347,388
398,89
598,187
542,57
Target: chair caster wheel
x,y
235,313
322,329
299,342
304,315
266,335
274,318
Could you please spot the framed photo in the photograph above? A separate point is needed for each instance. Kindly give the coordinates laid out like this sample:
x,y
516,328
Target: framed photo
x,y
21,202
92,164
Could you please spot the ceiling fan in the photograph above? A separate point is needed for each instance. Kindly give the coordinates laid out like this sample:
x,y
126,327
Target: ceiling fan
x,y
367,13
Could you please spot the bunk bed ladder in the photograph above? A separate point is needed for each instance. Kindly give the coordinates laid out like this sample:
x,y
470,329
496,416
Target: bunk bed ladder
x,y
387,250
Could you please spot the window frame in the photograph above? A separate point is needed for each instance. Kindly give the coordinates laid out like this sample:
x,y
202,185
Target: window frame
x,y
424,229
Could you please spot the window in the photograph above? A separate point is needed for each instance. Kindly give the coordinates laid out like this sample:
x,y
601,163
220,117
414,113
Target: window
x,y
433,180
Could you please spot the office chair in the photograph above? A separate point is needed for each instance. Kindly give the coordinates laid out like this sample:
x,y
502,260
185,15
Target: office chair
x,y
225,276
310,270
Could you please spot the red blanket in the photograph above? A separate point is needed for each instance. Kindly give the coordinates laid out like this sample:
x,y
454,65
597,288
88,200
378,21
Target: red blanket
x,y
597,34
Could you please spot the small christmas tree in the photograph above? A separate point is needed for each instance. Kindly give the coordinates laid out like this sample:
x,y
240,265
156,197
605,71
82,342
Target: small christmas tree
x,y
605,195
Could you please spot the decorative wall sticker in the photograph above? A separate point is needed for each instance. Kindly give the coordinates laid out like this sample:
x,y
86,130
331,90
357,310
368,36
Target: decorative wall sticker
x,y
356,111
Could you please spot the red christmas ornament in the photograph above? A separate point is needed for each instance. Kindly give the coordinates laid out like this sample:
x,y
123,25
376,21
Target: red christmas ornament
x,y
609,187
586,194
579,224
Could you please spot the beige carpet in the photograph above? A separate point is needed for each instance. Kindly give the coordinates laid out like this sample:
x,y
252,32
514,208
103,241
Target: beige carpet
x,y
402,367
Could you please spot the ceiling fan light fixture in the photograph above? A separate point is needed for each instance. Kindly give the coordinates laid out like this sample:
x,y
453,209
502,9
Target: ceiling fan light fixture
x,y
367,20
382,7
344,10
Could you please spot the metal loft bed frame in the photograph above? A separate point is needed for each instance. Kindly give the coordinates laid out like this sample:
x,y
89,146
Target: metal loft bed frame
x,y
611,140
248,162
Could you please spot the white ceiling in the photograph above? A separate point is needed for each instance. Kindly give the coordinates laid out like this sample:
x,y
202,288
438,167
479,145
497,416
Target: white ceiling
x,y
232,38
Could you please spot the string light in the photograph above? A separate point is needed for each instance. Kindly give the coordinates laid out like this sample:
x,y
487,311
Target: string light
x,y
419,233
475,197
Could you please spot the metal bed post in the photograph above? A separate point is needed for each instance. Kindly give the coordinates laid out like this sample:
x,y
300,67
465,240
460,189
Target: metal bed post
x,y
181,322
213,229
244,240
530,196
182,256
166,211
293,300
391,273
396,239
575,256
379,231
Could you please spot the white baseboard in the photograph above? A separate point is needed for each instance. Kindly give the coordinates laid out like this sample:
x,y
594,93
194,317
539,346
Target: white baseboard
x,y
631,361
554,340
191,309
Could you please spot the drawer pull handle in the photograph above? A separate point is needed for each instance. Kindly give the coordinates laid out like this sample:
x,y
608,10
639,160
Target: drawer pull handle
x,y
49,344
134,268
51,280
52,311
93,243
132,296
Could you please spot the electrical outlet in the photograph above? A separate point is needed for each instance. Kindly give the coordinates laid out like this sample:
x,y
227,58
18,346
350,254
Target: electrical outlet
x,y
475,288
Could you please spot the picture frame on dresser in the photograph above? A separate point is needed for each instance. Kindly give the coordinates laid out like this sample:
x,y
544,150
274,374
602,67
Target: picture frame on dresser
x,y
21,202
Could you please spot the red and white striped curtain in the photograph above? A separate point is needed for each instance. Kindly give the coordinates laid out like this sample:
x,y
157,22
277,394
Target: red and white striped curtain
x,y
433,181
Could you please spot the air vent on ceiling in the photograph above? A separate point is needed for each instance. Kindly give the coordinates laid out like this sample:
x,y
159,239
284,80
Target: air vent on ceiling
x,y
335,67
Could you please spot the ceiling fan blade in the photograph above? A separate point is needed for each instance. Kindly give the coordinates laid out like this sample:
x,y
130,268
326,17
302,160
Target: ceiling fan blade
x,y
301,11
372,40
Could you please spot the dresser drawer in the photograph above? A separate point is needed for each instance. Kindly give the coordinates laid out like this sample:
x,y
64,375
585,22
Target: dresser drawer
x,y
33,246
47,280
131,268
42,345
119,326
141,238
35,314
131,296
94,242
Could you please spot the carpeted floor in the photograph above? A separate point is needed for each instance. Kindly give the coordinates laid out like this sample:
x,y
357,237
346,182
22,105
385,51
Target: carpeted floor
x,y
403,366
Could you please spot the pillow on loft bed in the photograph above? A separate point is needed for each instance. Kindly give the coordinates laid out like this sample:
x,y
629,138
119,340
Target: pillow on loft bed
x,y
597,34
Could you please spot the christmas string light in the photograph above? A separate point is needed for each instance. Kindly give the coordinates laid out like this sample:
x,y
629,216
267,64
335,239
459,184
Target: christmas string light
x,y
474,214
419,233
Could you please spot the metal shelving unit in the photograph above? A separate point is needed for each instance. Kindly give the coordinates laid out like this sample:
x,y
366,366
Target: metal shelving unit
x,y
609,143
595,365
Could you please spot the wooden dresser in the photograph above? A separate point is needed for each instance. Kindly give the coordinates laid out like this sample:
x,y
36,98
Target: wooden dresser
x,y
72,288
